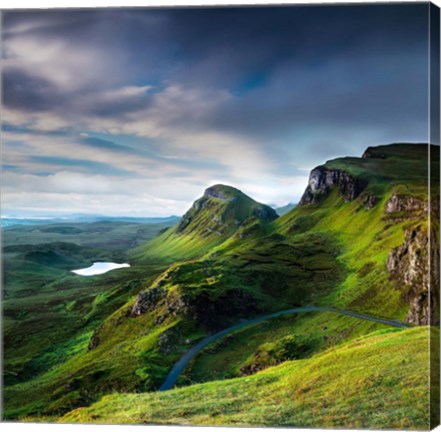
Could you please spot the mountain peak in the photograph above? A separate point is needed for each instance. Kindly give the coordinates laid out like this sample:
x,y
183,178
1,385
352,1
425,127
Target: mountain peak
x,y
222,192
221,210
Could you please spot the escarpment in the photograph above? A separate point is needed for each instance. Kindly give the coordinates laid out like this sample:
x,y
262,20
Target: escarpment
x,y
322,179
405,203
409,264
415,263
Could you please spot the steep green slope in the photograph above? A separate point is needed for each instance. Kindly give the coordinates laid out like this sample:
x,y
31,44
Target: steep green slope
x,y
357,241
273,342
379,381
384,274
212,219
376,208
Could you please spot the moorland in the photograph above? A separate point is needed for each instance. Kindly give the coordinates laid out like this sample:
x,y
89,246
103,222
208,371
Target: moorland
x,y
364,239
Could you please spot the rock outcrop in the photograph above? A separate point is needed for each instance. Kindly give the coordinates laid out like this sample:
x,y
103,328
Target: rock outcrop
x,y
409,265
322,179
146,301
212,314
409,204
370,201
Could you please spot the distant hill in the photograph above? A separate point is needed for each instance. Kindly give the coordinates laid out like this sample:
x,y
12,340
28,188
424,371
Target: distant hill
x,y
10,221
285,209
221,210
212,219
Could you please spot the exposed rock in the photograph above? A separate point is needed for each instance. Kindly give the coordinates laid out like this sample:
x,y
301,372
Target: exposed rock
x,y
248,231
409,264
212,231
213,314
370,202
147,301
214,192
176,304
400,203
322,179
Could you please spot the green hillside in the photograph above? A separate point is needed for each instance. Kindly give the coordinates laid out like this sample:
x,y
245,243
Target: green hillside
x,y
212,219
357,241
372,382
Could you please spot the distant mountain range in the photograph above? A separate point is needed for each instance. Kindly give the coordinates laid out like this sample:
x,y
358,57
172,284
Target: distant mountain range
x,y
285,209
9,221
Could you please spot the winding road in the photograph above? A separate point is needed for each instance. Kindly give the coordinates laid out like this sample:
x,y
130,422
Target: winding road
x,y
182,363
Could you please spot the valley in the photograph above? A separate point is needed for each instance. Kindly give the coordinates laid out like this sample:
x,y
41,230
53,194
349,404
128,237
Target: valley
x,y
326,310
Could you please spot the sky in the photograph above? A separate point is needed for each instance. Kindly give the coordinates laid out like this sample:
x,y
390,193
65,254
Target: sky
x,y
135,112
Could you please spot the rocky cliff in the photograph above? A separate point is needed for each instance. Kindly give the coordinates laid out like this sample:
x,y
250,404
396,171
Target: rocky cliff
x,y
404,203
409,264
322,179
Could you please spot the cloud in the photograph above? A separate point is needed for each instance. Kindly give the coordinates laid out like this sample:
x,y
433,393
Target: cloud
x,y
175,99
81,164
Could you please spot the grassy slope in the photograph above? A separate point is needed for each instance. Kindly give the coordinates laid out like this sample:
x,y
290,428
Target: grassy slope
x,y
377,381
212,219
268,344
365,238
332,253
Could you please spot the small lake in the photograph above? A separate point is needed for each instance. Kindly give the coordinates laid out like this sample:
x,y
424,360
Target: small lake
x,y
98,268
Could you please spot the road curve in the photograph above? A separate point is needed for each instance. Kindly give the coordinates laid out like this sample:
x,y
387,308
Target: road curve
x,y
182,363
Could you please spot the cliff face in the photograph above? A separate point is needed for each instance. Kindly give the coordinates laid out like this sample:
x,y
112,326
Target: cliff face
x,y
403,203
419,254
409,264
322,179
373,177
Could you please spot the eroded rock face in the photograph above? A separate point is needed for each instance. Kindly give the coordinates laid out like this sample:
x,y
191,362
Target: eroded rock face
x,y
370,201
400,203
322,179
409,264
147,301
213,192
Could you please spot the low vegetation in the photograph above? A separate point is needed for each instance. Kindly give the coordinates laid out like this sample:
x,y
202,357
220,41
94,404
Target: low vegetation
x,y
371,382
76,342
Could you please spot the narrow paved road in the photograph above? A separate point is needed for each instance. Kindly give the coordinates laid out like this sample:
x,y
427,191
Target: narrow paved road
x,y
182,363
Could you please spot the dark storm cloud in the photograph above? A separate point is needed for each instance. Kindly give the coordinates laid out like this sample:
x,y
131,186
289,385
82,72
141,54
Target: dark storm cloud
x,y
24,91
258,95
235,48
